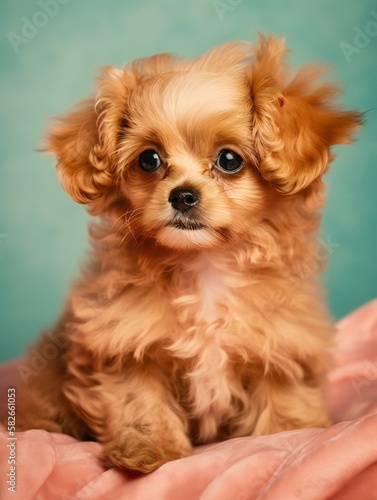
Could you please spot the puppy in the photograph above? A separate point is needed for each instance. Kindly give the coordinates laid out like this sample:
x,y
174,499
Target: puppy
x,y
199,317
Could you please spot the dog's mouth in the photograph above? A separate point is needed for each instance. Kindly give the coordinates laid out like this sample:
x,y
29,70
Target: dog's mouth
x,y
186,223
188,232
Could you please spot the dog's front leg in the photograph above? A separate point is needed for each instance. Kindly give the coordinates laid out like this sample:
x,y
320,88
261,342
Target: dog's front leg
x,y
135,416
285,406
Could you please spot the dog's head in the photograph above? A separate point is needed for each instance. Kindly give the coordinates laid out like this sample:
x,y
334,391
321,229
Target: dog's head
x,y
194,152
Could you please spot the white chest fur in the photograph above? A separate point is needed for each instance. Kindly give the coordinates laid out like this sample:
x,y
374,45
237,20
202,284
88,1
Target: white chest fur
x,y
210,286
209,380
202,315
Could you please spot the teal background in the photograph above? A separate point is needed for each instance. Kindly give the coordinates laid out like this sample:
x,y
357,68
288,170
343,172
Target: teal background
x,y
43,232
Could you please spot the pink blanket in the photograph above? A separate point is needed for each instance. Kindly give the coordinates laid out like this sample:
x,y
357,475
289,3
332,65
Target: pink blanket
x,y
310,464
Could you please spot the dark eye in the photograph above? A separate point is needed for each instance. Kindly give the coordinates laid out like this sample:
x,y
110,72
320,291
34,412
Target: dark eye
x,y
228,161
149,160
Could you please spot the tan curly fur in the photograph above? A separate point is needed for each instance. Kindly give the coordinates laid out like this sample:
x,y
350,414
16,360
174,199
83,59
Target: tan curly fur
x,y
175,336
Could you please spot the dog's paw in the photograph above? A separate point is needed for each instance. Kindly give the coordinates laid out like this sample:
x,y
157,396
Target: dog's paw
x,y
137,453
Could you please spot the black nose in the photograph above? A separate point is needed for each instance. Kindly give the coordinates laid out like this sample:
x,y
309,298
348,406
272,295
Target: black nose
x,y
184,198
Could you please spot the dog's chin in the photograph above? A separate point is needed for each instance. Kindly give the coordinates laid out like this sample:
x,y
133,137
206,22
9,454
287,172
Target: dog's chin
x,y
183,237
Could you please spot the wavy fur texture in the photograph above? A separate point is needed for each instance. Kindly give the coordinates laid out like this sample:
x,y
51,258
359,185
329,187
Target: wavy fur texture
x,y
177,336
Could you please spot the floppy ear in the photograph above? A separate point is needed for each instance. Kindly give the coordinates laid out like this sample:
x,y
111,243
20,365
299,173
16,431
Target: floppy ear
x,y
294,124
84,141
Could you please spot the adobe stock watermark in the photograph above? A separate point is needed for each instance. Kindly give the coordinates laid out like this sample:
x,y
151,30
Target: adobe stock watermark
x,y
324,249
368,376
53,345
224,6
12,440
362,38
260,476
3,237
30,26
39,358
